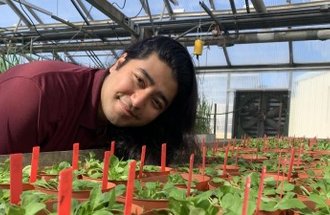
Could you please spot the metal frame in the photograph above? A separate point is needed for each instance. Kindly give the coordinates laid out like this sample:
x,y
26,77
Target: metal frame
x,y
239,25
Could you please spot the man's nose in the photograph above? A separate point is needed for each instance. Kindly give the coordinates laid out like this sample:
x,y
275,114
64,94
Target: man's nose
x,y
139,98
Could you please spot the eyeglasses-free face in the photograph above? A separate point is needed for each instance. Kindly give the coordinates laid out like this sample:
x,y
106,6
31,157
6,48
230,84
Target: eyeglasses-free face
x,y
137,92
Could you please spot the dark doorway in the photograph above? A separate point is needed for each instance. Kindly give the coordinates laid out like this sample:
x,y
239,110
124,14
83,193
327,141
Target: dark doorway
x,y
259,113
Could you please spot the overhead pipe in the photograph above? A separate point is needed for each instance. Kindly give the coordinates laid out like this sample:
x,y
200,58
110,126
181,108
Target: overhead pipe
x,y
259,6
244,38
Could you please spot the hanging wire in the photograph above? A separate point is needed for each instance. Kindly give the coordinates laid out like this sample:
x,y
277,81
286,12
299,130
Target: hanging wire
x,y
120,7
199,28
138,12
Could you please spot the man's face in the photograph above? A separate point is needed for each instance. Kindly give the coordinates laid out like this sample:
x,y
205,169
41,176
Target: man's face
x,y
137,92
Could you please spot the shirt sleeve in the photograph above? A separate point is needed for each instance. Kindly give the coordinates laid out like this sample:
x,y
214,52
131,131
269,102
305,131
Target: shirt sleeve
x,y
19,115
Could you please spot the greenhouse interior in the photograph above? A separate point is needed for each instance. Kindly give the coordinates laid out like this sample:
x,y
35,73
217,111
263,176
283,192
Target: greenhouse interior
x,y
249,136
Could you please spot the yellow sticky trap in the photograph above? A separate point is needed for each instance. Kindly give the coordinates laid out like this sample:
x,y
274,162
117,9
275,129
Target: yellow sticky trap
x,y
198,47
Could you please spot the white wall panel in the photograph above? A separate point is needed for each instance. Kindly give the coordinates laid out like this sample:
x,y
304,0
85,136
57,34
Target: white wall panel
x,y
310,107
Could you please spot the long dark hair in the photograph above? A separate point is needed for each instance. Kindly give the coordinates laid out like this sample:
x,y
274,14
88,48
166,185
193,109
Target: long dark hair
x,y
175,125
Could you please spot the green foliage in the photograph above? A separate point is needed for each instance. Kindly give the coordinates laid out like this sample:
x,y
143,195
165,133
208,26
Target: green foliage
x,y
56,168
118,169
151,168
77,184
5,172
100,203
203,118
9,60
200,204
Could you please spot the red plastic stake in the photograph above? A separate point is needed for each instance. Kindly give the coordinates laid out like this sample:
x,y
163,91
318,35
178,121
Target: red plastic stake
x,y
16,175
261,188
203,143
130,188
216,145
246,196
34,164
163,158
143,157
65,192
279,167
291,163
299,153
106,160
75,156
224,171
204,160
113,147
191,166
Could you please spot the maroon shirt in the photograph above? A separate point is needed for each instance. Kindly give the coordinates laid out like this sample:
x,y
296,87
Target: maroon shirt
x,y
50,104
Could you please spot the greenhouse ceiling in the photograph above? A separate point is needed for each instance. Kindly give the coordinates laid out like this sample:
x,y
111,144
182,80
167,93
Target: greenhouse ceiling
x,y
240,34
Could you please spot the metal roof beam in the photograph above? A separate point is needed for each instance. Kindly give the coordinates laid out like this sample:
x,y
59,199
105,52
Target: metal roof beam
x,y
299,16
264,68
116,15
18,12
244,38
212,4
34,7
169,8
259,6
146,7
35,15
85,10
67,54
75,4
81,8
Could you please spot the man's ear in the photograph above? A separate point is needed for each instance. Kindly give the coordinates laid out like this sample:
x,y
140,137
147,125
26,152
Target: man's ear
x,y
119,62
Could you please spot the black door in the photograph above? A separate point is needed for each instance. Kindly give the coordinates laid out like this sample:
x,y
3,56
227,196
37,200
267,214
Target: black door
x,y
259,113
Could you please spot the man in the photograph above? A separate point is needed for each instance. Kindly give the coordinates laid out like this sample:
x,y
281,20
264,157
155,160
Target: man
x,y
148,96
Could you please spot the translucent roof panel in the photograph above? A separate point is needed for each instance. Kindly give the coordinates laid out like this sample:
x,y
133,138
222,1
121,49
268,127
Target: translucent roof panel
x,y
133,8
11,20
311,51
190,6
263,80
259,53
61,8
276,2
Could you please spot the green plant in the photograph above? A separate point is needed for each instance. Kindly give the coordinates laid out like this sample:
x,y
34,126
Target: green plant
x,y
101,203
118,168
9,60
5,172
56,168
32,202
203,118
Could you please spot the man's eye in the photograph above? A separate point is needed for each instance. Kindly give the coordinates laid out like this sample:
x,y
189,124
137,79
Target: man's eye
x,y
157,104
140,82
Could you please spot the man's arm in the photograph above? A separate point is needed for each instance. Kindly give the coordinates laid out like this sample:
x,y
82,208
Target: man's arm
x,y
19,115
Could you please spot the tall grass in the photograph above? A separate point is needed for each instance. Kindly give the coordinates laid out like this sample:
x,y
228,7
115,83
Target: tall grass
x,y
203,118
